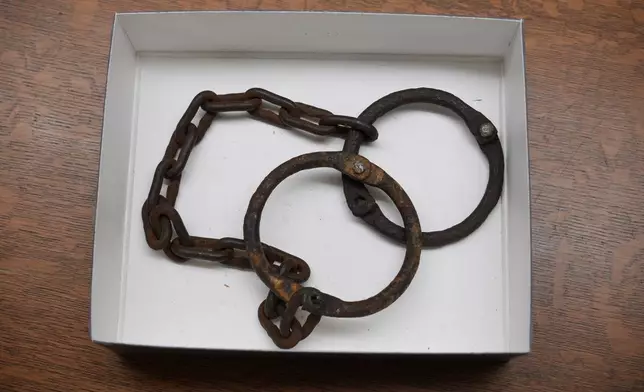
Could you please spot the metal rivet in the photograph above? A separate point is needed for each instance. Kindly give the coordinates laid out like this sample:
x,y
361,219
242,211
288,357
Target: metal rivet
x,y
487,130
358,167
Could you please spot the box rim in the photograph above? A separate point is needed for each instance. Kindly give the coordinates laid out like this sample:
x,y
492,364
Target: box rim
x,y
520,31
334,12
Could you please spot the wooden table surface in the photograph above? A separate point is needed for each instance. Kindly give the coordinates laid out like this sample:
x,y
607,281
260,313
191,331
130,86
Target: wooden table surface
x,y
585,67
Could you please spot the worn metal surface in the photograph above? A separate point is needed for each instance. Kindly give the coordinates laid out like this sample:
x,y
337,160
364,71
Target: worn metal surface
x,y
313,300
290,331
363,205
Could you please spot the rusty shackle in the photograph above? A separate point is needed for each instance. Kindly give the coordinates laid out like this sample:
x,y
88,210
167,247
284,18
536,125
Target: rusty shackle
x,y
314,300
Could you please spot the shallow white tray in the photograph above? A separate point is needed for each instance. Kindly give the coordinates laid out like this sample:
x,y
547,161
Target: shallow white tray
x,y
470,297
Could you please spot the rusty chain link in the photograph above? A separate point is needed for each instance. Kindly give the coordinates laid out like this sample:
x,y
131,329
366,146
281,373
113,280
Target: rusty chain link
x,y
290,331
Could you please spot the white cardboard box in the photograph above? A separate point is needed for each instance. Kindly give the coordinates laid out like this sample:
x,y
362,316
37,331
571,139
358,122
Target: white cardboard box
x,y
470,297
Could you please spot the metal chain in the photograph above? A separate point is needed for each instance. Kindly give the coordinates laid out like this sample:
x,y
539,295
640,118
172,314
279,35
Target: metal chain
x,y
164,229
286,113
290,331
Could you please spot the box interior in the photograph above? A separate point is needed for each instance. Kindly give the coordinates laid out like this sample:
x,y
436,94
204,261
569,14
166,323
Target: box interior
x,y
470,297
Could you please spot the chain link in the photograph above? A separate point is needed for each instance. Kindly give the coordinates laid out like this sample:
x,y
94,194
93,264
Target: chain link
x,y
290,332
347,123
236,102
307,118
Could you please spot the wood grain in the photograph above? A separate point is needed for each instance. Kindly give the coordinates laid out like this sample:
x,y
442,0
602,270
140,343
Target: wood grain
x,y
585,61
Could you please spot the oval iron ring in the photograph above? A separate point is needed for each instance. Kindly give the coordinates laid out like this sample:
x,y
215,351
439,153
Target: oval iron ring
x,y
363,205
315,301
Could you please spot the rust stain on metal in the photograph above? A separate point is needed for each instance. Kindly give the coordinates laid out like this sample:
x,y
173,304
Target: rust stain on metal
x,y
313,300
364,206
